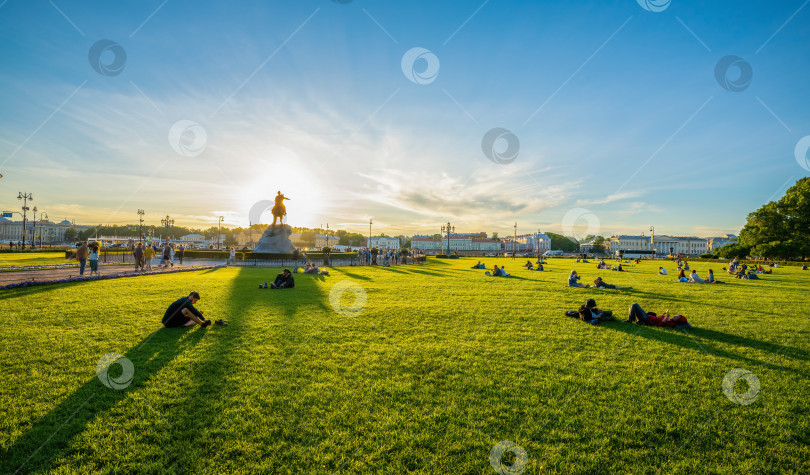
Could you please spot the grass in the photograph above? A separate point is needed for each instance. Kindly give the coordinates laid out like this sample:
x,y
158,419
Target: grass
x,y
33,258
442,364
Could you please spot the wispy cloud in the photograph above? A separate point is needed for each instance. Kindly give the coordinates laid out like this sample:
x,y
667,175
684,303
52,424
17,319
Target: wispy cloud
x,y
625,195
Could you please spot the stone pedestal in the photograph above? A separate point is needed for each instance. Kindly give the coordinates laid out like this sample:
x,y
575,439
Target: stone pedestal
x,y
276,239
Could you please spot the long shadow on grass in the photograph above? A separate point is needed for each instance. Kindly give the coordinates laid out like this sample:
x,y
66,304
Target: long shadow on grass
x,y
684,340
52,435
213,423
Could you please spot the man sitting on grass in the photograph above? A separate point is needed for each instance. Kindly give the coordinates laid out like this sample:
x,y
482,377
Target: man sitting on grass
x,y
694,277
599,283
182,313
283,281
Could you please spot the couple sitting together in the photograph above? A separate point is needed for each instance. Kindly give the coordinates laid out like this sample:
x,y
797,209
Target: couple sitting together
x,y
311,268
498,272
529,266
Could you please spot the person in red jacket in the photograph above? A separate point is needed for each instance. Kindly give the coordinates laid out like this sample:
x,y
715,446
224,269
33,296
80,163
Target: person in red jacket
x,y
637,314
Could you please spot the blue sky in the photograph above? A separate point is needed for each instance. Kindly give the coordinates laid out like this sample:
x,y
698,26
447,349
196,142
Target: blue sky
x,y
621,121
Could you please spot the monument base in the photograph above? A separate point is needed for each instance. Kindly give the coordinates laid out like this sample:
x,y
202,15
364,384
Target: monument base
x,y
276,239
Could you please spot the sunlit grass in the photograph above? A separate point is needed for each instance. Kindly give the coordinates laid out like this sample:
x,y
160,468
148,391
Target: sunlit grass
x,y
438,366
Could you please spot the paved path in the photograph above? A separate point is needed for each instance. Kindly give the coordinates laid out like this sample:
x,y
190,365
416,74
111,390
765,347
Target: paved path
x,y
56,274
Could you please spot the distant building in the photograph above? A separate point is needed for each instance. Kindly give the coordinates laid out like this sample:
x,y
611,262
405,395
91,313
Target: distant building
x,y
533,243
661,244
381,242
50,231
466,243
716,243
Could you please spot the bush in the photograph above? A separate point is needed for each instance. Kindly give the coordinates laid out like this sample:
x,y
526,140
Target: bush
x,y
707,255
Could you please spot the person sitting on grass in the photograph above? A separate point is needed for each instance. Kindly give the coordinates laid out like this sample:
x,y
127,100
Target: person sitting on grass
x,y
662,271
540,267
599,283
572,280
685,266
804,267
479,266
710,278
528,265
694,277
314,269
638,315
181,313
283,281
501,272
682,277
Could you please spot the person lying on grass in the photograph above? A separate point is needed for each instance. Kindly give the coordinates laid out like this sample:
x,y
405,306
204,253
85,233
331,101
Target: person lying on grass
x,y
479,266
589,313
638,315
599,283
181,313
573,278
283,281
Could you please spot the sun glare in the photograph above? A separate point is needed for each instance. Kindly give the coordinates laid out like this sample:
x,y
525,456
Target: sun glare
x,y
305,196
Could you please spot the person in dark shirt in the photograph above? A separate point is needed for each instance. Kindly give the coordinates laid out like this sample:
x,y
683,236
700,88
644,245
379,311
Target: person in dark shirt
x,y
601,283
588,313
284,280
181,313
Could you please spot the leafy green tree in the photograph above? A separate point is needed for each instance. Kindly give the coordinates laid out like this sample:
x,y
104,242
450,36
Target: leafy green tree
x,y
732,250
494,235
562,243
598,249
70,234
783,225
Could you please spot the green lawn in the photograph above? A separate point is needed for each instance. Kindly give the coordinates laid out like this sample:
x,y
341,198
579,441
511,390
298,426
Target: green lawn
x,y
33,258
441,365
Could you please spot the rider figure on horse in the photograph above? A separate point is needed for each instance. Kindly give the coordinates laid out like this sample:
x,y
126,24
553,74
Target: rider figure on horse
x,y
279,210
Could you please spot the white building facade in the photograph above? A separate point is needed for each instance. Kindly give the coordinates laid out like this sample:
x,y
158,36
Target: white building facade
x,y
661,244
383,242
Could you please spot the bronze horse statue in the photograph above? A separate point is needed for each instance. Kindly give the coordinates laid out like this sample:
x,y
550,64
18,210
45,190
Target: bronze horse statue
x,y
279,210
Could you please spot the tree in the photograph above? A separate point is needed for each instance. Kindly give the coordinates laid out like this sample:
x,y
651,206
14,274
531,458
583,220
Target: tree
x,y
732,250
598,249
70,234
230,240
562,243
495,235
783,225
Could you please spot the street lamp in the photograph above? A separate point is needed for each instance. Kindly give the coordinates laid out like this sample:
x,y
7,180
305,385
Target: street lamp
x,y
24,197
448,229
652,239
40,228
368,244
140,223
167,221
219,231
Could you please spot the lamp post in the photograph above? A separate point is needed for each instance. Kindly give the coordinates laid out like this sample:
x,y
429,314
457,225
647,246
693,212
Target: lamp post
x,y
652,239
327,234
24,197
448,229
219,231
514,242
167,221
40,227
140,223
369,235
